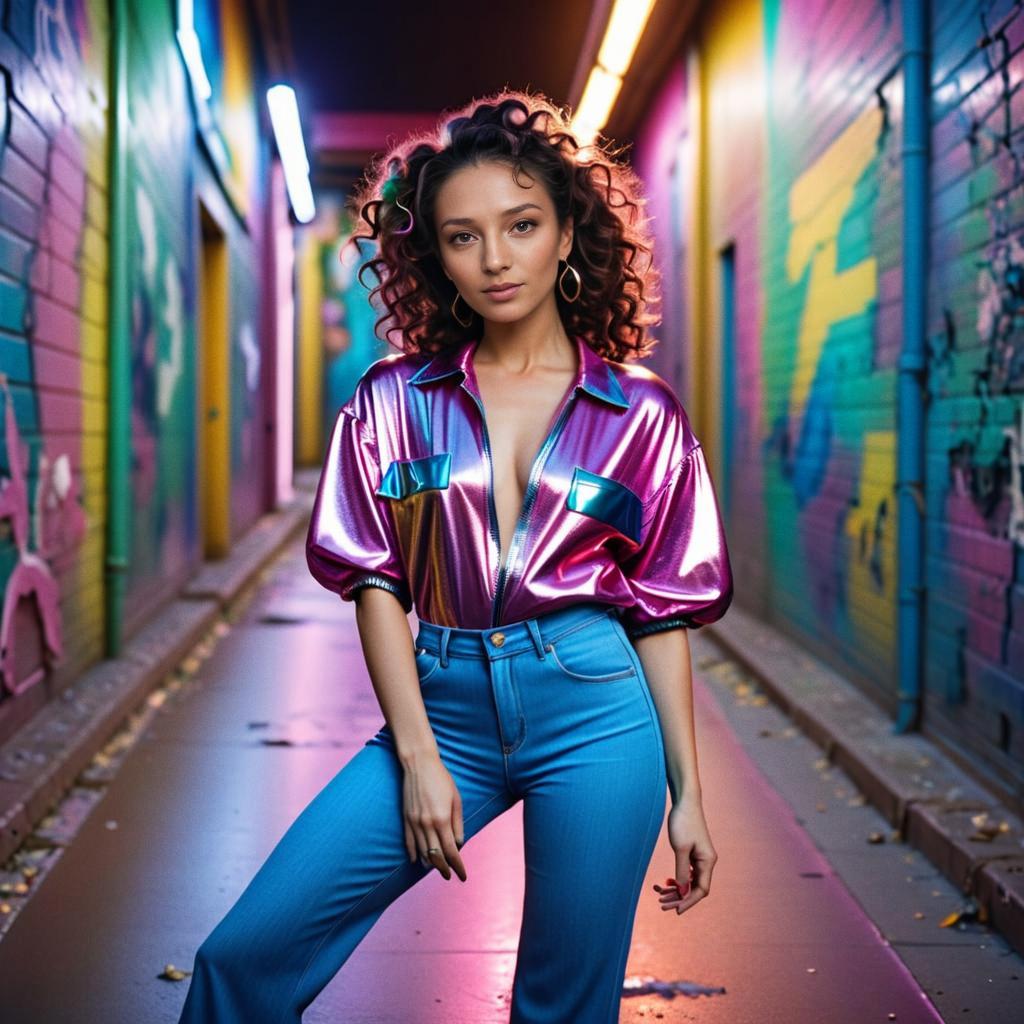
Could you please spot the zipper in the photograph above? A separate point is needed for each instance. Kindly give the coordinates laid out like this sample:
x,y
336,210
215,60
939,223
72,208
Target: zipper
x,y
492,511
532,487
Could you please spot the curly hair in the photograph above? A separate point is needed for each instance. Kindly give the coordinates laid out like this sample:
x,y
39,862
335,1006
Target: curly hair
x,y
394,202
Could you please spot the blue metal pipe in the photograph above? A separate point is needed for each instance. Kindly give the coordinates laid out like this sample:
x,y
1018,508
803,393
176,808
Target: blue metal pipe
x,y
119,313
910,438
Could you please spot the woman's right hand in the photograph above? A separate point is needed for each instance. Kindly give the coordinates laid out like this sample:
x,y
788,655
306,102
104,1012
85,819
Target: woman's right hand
x,y
432,808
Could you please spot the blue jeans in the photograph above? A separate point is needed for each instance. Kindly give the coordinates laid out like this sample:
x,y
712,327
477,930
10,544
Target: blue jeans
x,y
554,711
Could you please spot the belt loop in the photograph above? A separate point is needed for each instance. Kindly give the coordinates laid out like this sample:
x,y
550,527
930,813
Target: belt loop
x,y
446,632
531,625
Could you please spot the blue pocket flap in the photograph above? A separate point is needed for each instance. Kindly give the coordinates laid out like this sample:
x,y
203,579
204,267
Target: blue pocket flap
x,y
410,476
603,498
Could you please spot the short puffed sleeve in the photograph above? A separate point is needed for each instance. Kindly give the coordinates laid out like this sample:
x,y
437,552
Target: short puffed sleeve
x,y
351,541
681,575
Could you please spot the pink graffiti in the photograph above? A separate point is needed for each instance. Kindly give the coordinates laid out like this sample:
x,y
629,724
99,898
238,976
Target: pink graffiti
x,y
58,516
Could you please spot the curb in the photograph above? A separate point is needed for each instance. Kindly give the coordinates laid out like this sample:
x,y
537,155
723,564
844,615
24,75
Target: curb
x,y
919,790
41,761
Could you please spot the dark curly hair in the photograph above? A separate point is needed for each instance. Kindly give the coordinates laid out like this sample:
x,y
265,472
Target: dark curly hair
x,y
611,246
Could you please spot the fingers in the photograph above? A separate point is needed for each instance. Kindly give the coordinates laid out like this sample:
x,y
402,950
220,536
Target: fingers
x,y
451,856
680,896
445,851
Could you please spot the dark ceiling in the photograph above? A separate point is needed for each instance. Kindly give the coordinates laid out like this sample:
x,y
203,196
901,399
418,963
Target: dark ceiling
x,y
394,55
367,72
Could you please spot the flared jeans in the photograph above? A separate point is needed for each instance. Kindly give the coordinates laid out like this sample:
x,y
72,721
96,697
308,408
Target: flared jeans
x,y
554,711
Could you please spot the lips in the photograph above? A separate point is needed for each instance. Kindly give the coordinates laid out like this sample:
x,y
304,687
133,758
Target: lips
x,y
504,292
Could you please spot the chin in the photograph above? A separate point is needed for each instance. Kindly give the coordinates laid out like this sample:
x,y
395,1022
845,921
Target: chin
x,y
505,316
510,313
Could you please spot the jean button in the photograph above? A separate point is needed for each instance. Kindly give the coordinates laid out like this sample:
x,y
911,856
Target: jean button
x,y
497,639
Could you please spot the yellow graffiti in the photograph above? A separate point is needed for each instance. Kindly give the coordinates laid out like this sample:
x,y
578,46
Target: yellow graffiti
x,y
818,201
872,607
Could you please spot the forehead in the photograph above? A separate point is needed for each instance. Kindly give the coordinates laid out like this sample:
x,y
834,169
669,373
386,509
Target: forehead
x,y
488,189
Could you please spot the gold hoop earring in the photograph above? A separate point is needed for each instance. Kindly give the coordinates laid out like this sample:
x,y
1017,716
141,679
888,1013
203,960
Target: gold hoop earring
x,y
561,282
458,319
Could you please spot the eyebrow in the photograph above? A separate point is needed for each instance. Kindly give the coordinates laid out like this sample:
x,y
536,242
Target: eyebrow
x,y
507,213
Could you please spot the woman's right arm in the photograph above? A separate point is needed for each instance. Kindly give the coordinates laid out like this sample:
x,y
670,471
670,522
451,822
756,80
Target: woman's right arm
x,y
432,804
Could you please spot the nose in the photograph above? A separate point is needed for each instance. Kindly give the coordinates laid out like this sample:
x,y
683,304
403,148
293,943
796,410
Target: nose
x,y
494,256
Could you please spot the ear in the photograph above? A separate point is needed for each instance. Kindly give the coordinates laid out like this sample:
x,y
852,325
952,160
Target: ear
x,y
565,239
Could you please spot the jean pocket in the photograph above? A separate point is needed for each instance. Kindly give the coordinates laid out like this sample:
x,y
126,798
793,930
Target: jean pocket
x,y
591,656
427,663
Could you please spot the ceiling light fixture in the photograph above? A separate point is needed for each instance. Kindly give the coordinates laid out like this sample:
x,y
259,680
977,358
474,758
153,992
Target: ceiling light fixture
x,y
284,116
621,36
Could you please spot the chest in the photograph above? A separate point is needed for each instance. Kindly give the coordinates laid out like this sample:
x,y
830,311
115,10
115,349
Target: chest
x,y
520,415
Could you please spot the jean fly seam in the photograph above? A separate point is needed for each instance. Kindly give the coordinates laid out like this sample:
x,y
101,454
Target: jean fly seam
x,y
355,906
522,718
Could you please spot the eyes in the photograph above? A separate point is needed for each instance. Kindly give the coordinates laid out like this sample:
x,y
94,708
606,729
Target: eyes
x,y
460,238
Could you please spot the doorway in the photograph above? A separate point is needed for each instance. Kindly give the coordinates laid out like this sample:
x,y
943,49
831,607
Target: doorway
x,y
213,471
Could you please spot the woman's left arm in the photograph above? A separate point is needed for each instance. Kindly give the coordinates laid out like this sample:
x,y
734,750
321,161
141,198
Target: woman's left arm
x,y
665,657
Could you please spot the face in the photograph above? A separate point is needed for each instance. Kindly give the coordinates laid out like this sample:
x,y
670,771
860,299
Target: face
x,y
493,232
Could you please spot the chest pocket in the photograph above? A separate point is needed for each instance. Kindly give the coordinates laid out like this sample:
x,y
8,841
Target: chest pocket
x,y
603,498
405,477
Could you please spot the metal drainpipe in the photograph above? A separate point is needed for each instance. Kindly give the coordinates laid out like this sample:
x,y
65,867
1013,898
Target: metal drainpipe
x,y
119,321
912,364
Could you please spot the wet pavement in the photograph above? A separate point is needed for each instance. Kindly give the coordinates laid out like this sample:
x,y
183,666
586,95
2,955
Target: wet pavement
x,y
148,856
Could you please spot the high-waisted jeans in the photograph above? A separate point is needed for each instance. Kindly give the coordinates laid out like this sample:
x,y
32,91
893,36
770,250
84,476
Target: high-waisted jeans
x,y
554,711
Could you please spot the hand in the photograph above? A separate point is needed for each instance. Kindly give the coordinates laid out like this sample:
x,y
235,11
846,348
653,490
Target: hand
x,y
689,837
432,809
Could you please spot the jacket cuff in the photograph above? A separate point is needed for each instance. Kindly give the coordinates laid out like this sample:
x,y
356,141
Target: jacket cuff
x,y
659,626
384,583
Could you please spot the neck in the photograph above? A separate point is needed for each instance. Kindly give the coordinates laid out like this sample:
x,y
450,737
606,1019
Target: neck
x,y
538,338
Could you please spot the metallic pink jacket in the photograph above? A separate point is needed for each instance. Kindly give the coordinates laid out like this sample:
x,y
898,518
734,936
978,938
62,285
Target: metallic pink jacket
x,y
619,508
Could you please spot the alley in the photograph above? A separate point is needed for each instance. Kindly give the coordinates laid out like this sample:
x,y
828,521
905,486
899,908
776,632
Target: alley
x,y
704,312
283,702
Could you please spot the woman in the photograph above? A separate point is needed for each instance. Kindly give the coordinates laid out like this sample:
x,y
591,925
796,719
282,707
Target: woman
x,y
548,510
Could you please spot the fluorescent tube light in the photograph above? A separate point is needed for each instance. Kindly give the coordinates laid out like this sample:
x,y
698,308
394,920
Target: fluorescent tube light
x,y
625,27
284,116
598,99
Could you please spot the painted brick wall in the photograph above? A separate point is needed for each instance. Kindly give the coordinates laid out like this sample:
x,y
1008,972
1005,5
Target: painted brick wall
x,y
53,351
798,166
54,338
162,261
821,384
975,503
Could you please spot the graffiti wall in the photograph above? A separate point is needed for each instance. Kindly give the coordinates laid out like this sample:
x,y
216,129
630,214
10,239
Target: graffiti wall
x,y
830,336
53,233
54,335
974,496
772,158
163,305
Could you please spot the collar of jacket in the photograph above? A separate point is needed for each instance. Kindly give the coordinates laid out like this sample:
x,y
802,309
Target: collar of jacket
x,y
593,376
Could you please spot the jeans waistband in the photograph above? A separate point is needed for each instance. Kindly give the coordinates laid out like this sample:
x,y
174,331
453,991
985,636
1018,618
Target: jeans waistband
x,y
511,637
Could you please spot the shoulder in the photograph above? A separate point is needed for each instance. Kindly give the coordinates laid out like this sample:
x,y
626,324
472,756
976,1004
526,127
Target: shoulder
x,y
654,401
381,383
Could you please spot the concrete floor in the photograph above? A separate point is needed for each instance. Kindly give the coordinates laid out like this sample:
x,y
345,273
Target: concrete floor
x,y
283,701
